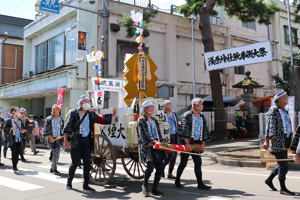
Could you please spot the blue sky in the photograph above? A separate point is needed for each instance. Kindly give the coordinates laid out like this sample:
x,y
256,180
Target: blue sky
x,y
25,8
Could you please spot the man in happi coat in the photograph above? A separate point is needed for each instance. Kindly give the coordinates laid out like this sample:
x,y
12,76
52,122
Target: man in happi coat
x,y
278,135
53,129
193,130
79,126
148,133
172,119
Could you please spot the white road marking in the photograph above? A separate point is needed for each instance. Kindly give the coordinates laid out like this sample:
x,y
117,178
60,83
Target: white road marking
x,y
17,185
44,176
239,173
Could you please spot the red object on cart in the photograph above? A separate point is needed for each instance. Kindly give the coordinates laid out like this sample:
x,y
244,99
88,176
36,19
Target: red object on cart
x,y
40,131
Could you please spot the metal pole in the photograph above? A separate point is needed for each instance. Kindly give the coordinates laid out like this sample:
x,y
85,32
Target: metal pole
x,y
193,48
290,33
105,38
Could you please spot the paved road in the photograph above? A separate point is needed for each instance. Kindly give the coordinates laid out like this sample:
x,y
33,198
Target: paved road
x,y
34,182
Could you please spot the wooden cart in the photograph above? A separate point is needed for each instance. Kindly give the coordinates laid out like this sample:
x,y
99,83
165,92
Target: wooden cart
x,y
104,159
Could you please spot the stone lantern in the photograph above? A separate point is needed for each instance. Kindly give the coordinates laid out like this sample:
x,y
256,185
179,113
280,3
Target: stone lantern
x,y
251,122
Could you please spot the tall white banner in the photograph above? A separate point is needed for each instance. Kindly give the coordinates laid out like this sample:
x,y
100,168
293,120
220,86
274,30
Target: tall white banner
x,y
244,55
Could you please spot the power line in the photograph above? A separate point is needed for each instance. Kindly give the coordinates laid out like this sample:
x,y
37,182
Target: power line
x,y
17,7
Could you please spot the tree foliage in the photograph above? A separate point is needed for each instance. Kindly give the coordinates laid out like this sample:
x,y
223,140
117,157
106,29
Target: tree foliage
x,y
127,21
283,82
296,3
243,10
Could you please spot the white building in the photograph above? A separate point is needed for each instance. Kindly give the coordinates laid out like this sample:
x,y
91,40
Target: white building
x,y
50,59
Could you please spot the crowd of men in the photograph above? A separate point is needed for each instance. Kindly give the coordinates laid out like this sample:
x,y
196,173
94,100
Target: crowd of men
x,y
78,133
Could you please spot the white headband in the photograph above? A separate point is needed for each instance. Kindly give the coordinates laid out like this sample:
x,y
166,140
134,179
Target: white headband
x,y
167,101
146,104
55,105
22,110
16,108
83,98
197,100
279,94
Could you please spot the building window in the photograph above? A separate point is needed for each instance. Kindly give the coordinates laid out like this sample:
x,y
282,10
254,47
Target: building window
x,y
71,52
239,70
56,54
124,47
287,36
41,57
249,25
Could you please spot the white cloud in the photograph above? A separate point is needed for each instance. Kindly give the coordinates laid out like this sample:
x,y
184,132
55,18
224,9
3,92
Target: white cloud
x,y
166,4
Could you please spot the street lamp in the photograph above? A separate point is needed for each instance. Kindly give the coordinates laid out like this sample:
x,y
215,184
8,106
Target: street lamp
x,y
193,17
72,34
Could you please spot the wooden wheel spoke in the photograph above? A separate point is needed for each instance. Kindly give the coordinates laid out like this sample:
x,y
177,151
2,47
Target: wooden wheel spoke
x,y
101,153
103,172
99,173
96,172
103,169
93,170
108,165
138,167
100,150
131,166
106,154
128,162
134,168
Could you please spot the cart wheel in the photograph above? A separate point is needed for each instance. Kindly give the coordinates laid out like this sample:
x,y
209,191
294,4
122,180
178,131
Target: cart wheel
x,y
103,165
133,168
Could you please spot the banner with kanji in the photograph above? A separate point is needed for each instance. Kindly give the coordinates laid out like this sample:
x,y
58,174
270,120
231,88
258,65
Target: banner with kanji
x,y
60,97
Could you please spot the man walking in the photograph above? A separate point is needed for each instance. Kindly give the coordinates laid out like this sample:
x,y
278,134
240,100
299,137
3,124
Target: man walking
x,y
193,130
148,133
31,134
79,127
25,136
279,132
172,119
53,129
2,121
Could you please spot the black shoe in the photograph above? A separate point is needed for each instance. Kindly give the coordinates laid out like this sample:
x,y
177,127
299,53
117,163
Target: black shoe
x,y
171,177
36,152
284,190
145,191
270,184
1,164
287,192
178,185
204,187
23,160
157,193
55,172
88,189
163,175
69,187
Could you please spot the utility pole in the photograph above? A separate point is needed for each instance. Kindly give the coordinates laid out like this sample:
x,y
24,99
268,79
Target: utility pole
x,y
104,49
294,71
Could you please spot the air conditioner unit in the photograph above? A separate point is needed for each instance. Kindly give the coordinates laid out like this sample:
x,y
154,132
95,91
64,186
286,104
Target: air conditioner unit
x,y
25,76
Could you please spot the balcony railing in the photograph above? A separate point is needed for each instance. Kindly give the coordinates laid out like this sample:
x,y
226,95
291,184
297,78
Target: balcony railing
x,y
140,3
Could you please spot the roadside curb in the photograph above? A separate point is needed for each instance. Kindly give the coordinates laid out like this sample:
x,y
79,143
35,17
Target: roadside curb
x,y
254,164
